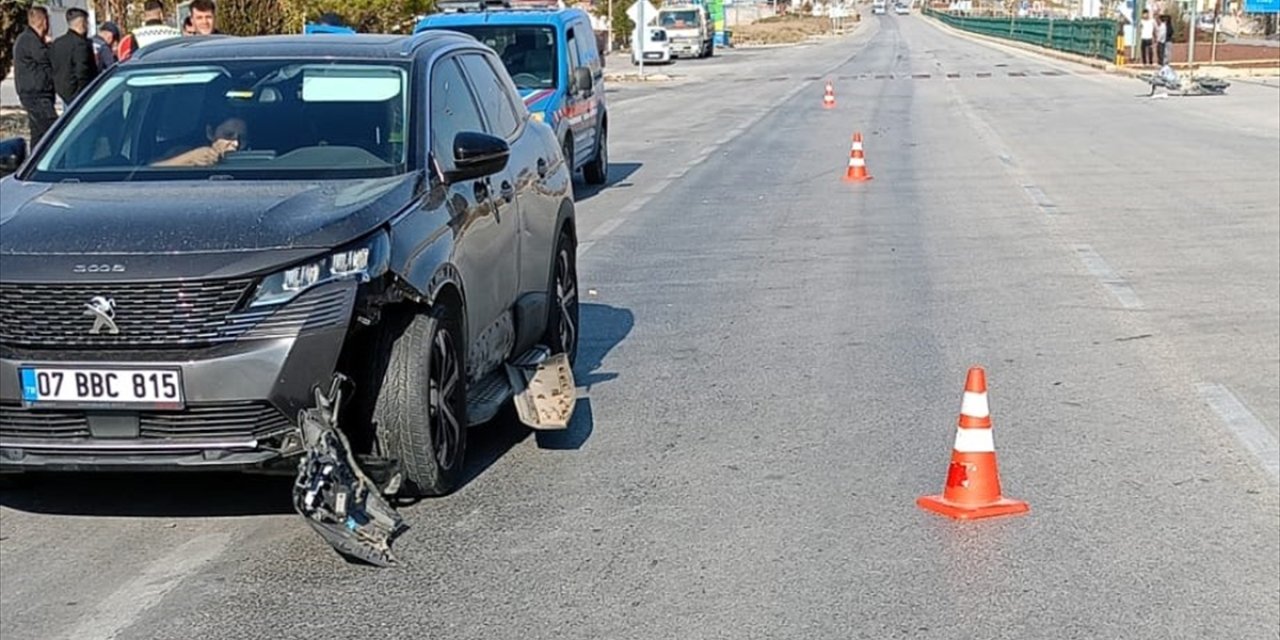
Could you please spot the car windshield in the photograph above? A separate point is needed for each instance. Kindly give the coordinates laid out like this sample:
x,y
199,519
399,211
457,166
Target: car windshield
x,y
237,119
529,53
679,19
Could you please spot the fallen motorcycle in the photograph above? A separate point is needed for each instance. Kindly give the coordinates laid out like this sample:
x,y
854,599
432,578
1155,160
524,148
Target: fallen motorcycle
x,y
1173,84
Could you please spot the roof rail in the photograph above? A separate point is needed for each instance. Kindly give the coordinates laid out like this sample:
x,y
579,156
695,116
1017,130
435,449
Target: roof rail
x,y
143,52
411,43
467,6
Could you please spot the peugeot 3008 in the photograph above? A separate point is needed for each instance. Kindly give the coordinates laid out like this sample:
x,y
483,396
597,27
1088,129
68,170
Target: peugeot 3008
x,y
220,225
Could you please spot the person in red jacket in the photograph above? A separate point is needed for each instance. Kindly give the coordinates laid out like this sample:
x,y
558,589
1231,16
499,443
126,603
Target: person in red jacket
x,y
153,29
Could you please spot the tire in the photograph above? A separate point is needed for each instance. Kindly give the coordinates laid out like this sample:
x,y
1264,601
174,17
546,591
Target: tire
x,y
562,336
597,171
421,411
567,150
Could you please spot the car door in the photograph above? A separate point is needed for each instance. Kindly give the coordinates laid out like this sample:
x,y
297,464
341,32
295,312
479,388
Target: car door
x,y
536,208
486,228
577,103
589,54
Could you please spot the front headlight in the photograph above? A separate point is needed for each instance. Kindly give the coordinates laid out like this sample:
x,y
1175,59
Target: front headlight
x,y
362,261
538,116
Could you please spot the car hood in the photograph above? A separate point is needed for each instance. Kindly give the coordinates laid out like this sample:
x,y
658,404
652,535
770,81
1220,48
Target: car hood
x,y
192,217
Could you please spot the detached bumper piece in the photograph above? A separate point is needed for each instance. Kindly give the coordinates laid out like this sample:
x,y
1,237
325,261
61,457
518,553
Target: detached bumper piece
x,y
338,500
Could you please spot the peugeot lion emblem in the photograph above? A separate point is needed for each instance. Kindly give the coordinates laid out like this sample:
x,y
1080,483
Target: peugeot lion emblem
x,y
103,311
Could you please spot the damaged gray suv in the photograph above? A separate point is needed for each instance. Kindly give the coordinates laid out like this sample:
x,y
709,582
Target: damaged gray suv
x,y
221,226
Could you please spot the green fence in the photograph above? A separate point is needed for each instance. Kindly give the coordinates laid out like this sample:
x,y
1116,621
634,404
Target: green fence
x,y
1093,38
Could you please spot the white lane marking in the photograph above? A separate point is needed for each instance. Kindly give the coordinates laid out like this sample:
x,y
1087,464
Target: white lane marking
x,y
1041,199
124,606
1250,431
1118,286
608,226
635,205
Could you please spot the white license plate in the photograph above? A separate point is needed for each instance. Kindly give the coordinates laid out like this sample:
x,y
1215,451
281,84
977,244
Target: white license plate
x,y
102,387
653,56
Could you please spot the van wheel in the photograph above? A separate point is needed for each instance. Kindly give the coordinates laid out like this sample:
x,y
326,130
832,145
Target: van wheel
x,y
567,150
597,171
421,410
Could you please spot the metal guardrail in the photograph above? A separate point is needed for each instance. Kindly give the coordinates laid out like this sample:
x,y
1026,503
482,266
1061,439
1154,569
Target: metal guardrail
x,y
1095,38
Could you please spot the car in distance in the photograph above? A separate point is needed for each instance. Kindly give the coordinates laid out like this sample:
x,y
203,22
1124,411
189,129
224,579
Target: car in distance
x,y
656,48
901,9
221,225
552,57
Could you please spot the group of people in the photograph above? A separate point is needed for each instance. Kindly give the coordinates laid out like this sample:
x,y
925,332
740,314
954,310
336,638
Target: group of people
x,y
1157,33
46,69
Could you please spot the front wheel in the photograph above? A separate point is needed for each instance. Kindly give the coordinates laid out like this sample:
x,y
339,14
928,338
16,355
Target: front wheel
x,y
567,150
562,317
421,410
597,171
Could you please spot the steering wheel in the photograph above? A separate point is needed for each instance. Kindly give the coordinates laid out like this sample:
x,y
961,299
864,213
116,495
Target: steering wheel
x,y
528,79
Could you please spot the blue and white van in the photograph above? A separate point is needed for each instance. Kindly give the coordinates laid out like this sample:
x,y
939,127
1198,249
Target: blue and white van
x,y
552,57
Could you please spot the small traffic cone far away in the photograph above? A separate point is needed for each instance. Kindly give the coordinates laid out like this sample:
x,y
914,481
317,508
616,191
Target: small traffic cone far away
x,y
829,97
857,171
973,482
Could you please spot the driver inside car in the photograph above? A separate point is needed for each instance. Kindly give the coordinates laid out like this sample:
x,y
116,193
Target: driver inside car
x,y
224,138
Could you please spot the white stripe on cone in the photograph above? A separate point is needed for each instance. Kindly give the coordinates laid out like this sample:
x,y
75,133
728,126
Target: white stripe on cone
x,y
975,441
857,146
857,162
974,405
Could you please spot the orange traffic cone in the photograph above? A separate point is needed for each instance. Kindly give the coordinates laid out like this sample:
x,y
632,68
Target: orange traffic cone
x,y
973,481
829,98
857,171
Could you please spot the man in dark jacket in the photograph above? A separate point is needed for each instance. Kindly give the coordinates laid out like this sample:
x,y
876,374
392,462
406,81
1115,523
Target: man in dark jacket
x,y
33,75
72,57
104,45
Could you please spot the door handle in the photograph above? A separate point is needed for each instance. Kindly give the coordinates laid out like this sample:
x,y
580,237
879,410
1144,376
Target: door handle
x,y
507,192
542,167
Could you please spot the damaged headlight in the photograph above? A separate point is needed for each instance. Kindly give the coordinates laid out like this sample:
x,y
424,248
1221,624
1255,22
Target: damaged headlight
x,y
364,261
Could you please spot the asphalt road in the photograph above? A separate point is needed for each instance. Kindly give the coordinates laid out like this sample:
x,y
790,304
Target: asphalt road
x,y
772,363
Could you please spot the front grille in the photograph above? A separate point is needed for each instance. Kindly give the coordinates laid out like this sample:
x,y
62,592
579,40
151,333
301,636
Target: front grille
x,y
224,421
164,315
148,315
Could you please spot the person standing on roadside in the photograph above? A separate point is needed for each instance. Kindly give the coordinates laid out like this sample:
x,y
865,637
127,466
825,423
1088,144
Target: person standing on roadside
x,y
1161,30
1148,34
33,73
204,17
153,29
1166,39
71,57
104,45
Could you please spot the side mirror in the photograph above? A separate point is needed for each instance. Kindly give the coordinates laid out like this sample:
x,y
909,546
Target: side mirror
x,y
13,152
476,155
582,80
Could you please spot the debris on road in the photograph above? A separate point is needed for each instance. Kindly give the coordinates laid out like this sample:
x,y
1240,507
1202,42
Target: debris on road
x,y
1173,84
338,500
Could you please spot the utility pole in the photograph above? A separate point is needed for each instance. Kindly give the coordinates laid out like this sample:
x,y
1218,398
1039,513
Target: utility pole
x,y
1191,37
1135,26
641,36
609,33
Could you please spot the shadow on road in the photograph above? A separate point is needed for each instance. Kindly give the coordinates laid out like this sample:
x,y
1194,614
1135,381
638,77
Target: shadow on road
x,y
603,328
206,494
618,174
